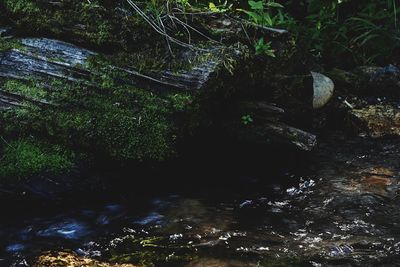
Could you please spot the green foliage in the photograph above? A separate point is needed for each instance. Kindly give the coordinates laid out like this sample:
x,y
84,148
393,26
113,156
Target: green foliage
x,y
247,119
340,33
348,33
25,158
219,7
7,44
24,6
261,12
264,48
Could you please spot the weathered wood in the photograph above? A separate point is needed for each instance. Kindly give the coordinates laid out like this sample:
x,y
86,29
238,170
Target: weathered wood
x,y
46,58
21,65
272,133
285,134
8,102
4,31
262,107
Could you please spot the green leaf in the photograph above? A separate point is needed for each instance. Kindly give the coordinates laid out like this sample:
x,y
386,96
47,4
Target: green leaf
x,y
254,16
267,19
276,5
263,48
213,7
256,5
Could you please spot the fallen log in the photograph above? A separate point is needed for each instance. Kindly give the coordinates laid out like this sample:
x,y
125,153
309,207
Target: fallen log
x,y
263,123
272,134
125,113
145,94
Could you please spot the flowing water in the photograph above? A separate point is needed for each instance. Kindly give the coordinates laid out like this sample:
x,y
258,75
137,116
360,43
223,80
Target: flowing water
x,y
339,209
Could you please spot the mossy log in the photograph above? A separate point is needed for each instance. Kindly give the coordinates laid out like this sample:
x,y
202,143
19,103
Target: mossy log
x,y
68,93
129,95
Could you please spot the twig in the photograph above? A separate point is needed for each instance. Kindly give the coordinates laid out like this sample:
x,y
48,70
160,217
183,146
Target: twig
x,y
5,141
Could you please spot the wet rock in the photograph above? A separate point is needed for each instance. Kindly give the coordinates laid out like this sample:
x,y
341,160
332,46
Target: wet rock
x,y
380,78
369,79
375,120
69,259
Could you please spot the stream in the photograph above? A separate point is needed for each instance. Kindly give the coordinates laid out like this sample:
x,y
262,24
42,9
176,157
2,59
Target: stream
x,y
337,207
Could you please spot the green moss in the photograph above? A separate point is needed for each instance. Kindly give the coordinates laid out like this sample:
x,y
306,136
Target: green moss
x,y
25,158
93,23
7,44
101,115
181,101
23,6
121,122
32,91
97,27
27,14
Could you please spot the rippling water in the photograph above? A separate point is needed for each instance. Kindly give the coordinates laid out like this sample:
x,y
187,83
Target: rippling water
x,y
342,209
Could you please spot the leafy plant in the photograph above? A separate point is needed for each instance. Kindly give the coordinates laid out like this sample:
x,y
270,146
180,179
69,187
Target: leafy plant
x,y
220,7
260,12
346,33
264,48
247,119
